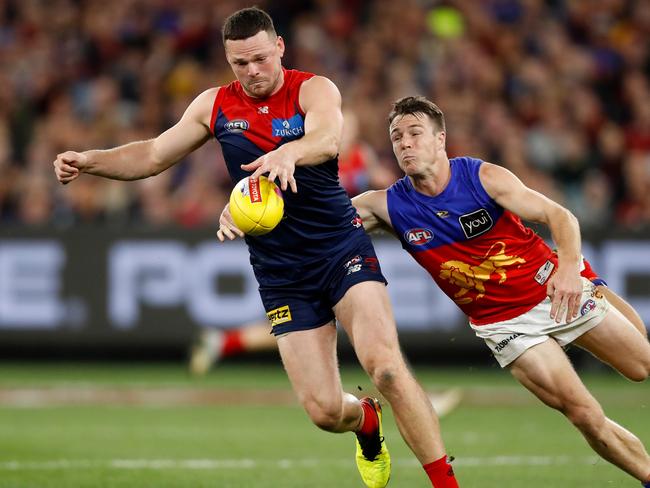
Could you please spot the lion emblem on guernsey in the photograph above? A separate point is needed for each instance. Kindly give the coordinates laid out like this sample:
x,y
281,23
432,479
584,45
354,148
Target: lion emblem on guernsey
x,y
469,277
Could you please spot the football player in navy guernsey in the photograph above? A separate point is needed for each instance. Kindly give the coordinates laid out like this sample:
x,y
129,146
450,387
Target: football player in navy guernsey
x,y
318,264
460,220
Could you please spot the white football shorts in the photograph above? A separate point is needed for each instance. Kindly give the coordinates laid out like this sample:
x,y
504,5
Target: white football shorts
x,y
509,339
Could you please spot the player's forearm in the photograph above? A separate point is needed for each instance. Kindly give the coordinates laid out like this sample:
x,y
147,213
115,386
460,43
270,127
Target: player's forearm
x,y
565,231
132,161
372,209
362,204
313,148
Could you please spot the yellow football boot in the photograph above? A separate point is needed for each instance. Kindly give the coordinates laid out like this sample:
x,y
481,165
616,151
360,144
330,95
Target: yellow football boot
x,y
373,460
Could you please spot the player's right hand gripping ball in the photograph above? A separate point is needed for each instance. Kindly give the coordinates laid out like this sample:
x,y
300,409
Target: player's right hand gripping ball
x,y
256,206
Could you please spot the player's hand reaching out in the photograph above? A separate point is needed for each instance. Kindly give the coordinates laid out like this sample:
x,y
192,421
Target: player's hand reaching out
x,y
565,290
69,165
227,227
277,164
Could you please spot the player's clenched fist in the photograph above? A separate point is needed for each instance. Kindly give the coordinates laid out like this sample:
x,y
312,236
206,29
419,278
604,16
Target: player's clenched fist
x,y
68,166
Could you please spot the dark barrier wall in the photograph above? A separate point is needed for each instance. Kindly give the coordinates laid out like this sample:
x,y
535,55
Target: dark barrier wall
x,y
109,289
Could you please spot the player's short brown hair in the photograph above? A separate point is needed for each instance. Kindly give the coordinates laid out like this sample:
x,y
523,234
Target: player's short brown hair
x,y
246,23
418,105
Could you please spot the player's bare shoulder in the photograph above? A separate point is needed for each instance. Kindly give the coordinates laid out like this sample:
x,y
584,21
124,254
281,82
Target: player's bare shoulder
x,y
496,180
489,171
319,90
200,109
317,82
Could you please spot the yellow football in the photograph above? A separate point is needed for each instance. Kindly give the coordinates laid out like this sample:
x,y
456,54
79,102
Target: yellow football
x,y
256,206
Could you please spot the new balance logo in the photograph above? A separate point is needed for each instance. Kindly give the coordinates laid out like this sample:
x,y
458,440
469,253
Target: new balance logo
x,y
263,110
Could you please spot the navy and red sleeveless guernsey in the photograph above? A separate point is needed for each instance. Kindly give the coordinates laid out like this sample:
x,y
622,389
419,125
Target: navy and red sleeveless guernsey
x,y
319,250
319,218
481,255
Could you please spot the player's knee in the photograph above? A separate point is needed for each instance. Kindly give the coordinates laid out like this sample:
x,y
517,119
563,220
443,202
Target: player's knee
x,y
384,367
384,377
646,369
326,416
384,372
638,372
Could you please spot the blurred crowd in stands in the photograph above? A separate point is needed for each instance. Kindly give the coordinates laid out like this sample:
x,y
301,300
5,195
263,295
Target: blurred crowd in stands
x,y
557,91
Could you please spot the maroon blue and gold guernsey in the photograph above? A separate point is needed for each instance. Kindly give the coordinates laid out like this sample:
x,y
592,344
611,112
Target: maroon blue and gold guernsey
x,y
320,219
481,255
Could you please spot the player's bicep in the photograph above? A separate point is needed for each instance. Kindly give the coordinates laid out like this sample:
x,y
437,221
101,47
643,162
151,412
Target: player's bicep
x,y
321,101
510,192
190,132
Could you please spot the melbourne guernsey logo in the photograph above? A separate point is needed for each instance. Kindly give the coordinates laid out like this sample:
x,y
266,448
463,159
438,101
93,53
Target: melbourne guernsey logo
x,y
476,223
236,126
418,236
288,128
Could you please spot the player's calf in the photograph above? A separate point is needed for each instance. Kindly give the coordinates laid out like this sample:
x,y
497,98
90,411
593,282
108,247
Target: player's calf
x,y
587,418
326,415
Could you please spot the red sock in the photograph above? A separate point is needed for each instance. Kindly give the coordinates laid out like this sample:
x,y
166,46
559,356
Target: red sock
x,y
370,420
441,474
232,343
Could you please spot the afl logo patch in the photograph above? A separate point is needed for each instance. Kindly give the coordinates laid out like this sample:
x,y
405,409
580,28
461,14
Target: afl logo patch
x,y
238,125
418,237
587,307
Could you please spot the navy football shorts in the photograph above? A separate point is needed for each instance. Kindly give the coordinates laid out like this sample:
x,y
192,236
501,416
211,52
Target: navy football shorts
x,y
307,302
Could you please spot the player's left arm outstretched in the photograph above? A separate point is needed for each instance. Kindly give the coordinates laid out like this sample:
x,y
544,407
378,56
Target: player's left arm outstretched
x,y
372,207
321,101
565,286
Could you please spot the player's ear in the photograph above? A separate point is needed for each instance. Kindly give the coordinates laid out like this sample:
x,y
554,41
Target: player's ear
x,y
280,45
441,138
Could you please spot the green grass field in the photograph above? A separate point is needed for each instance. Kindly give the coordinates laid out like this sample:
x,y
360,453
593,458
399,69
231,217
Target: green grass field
x,y
81,425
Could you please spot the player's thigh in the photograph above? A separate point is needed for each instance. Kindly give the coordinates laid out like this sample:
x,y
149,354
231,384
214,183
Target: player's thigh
x,y
309,357
618,343
625,308
366,315
546,371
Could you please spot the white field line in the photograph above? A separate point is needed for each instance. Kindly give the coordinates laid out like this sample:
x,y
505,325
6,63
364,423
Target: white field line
x,y
240,464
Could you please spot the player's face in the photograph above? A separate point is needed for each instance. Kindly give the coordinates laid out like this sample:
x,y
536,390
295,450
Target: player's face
x,y
417,143
257,63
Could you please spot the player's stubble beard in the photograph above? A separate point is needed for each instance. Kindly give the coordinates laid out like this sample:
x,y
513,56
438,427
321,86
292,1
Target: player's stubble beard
x,y
267,87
